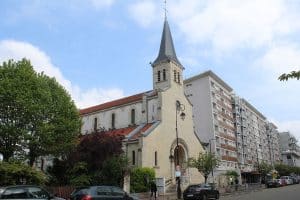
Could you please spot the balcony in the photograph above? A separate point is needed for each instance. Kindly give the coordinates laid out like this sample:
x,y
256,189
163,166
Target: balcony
x,y
229,158
226,146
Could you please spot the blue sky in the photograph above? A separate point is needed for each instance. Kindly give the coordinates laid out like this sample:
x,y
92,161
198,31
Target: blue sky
x,y
100,49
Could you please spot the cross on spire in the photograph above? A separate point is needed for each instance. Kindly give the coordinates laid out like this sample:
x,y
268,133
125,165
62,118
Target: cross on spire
x,y
165,8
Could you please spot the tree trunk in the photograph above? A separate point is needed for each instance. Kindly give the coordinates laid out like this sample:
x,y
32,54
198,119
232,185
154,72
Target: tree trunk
x,y
205,178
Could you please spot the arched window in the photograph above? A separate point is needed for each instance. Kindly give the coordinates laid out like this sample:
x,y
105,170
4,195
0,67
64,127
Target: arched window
x,y
113,120
164,74
95,123
158,76
132,116
175,79
133,157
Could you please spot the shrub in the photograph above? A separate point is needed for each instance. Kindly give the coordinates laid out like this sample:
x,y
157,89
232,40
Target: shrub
x,y
12,173
140,179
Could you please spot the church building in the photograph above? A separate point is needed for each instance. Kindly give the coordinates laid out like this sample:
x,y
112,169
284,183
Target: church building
x,y
158,124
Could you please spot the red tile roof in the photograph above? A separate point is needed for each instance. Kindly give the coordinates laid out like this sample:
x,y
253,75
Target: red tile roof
x,y
125,131
146,127
118,102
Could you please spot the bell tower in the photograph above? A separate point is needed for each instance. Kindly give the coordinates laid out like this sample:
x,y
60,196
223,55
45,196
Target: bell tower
x,y
167,70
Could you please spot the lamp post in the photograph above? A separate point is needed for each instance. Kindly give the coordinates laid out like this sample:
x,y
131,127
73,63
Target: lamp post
x,y
212,170
179,108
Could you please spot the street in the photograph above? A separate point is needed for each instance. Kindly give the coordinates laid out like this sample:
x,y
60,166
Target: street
x,y
291,192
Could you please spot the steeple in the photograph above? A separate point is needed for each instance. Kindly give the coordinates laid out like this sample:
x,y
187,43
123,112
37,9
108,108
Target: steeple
x,y
166,50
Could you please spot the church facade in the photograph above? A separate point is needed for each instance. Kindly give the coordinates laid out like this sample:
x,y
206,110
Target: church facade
x,y
157,125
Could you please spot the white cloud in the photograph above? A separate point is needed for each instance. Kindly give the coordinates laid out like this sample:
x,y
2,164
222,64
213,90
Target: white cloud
x,y
229,25
144,12
11,49
280,59
292,126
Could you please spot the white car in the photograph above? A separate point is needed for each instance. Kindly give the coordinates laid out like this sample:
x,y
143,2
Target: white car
x,y
288,180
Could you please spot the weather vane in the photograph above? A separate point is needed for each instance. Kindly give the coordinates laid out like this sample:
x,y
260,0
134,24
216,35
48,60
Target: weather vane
x,y
165,8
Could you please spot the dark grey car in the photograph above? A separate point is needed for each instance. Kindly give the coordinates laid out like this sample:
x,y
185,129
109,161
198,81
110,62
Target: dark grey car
x,y
100,192
26,192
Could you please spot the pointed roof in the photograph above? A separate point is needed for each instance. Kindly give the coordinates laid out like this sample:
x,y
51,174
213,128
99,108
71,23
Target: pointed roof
x,y
166,50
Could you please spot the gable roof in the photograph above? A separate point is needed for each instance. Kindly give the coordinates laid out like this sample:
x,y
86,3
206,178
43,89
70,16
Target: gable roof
x,y
115,103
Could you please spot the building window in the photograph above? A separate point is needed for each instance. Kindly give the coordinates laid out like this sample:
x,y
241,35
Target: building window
x,y
95,123
175,79
113,120
178,77
158,76
164,75
133,157
155,158
132,116
216,128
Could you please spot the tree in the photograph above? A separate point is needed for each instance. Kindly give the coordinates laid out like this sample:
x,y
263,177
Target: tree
x,y
97,159
36,113
283,170
205,163
95,148
292,74
264,169
12,173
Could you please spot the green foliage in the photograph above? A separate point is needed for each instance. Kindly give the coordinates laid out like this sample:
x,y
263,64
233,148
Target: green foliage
x,y
79,175
232,173
12,173
140,179
205,163
283,170
291,75
112,172
264,168
36,113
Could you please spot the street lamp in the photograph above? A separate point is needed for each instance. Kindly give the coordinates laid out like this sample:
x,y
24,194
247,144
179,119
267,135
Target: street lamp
x,y
212,170
179,109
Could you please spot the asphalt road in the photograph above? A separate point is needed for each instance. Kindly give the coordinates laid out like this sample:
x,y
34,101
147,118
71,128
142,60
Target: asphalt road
x,y
291,192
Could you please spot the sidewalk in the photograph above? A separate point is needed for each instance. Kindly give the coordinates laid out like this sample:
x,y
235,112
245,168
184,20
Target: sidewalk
x,y
223,192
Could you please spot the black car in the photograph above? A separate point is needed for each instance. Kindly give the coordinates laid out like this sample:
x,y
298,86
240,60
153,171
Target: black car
x,y
272,183
200,191
26,192
100,192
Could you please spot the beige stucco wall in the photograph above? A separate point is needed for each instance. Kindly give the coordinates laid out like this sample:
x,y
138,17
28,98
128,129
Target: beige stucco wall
x,y
162,138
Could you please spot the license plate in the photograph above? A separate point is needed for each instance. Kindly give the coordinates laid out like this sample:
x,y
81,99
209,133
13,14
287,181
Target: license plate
x,y
189,195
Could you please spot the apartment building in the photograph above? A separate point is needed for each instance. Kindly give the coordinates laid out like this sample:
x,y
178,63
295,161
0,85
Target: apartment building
x,y
273,143
231,127
213,117
290,151
257,139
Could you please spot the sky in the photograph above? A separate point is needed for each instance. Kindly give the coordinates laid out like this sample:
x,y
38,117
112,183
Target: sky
x,y
100,50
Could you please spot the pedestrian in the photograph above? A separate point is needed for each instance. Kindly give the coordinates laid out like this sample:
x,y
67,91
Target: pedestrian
x,y
153,188
236,183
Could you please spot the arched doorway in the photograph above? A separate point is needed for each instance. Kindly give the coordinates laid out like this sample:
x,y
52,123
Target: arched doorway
x,y
180,159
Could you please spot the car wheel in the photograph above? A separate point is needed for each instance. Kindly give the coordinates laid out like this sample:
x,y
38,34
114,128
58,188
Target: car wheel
x,y
204,197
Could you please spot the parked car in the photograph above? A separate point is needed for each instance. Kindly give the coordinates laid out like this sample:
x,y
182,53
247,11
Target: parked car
x,y
281,182
295,179
26,192
200,191
272,183
287,179
100,192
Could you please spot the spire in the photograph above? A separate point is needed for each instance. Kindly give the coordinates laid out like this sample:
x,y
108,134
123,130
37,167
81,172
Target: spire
x,y
166,50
